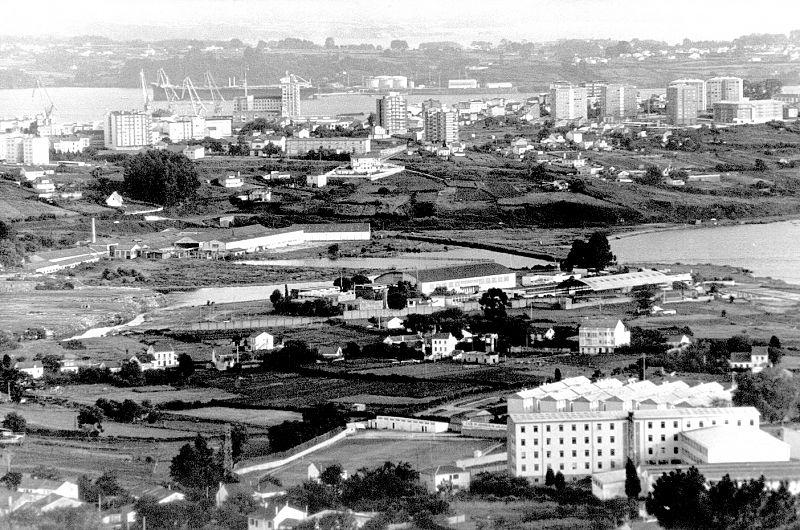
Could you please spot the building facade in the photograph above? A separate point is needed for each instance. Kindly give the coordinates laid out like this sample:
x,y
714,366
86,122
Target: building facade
x,y
618,101
568,102
724,89
392,113
602,336
441,126
583,443
301,146
748,111
290,96
700,86
683,104
127,130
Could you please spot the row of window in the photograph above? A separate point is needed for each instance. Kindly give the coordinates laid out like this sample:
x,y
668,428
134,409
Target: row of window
x,y
547,428
573,466
611,439
586,454
702,424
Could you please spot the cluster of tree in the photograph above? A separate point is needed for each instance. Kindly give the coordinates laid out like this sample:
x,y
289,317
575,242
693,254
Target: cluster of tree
x,y
326,154
356,131
392,489
451,320
131,274
772,391
318,307
346,284
398,295
316,421
15,423
106,485
294,355
682,500
11,250
12,379
592,254
381,350
161,177
128,411
765,89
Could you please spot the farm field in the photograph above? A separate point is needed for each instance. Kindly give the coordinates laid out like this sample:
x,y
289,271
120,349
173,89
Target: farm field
x,y
89,394
374,448
53,417
260,417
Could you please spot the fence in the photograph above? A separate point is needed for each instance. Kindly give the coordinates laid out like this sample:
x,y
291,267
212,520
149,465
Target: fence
x,y
484,430
296,452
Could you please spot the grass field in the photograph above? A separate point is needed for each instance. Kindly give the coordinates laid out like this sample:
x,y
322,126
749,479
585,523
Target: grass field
x,y
374,448
260,417
89,394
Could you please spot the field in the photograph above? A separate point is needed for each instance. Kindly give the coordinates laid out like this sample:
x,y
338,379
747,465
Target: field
x,y
260,417
374,448
89,394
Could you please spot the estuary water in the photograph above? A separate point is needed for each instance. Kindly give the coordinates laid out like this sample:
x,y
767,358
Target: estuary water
x,y
769,249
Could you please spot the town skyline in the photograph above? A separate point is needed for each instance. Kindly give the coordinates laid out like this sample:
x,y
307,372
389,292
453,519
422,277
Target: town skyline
x,y
357,21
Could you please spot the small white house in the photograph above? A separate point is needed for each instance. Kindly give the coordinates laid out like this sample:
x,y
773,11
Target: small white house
x,y
114,200
755,360
44,186
163,356
231,181
479,357
443,344
259,341
32,368
602,336
39,486
194,152
441,477
274,516
394,323
317,181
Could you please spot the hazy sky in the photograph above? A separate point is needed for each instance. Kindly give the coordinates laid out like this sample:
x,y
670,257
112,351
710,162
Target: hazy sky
x,y
379,21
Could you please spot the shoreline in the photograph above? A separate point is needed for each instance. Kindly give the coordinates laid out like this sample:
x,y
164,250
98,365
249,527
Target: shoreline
x,y
653,228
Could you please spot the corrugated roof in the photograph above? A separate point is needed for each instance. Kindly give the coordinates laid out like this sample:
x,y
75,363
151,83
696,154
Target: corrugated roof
x,y
626,280
460,272
334,227
734,437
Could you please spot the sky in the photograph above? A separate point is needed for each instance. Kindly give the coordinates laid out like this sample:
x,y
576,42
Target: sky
x,y
380,21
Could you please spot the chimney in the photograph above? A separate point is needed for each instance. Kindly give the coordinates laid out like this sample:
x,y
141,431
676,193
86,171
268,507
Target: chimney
x,y
94,232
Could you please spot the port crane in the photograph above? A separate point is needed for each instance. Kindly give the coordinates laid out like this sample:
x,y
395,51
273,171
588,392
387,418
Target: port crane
x,y
216,96
45,100
145,93
198,106
169,88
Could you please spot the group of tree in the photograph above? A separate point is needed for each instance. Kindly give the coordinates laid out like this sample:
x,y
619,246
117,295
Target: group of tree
x,y
346,284
15,423
592,254
319,307
128,411
294,355
772,391
393,490
682,500
316,421
398,295
161,177
11,249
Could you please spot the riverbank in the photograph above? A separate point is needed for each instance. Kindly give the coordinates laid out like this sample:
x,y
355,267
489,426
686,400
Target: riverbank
x,y
665,227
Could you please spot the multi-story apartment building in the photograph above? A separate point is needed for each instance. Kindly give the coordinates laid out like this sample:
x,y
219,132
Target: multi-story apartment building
x,y
187,128
568,102
35,150
71,144
392,113
268,104
618,101
724,89
290,96
700,85
748,111
683,104
440,126
127,130
586,442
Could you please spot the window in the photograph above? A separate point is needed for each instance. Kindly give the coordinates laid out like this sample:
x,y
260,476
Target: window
x,y
574,454
599,439
726,422
649,437
599,465
675,450
522,429
613,452
535,428
547,454
613,464
560,428
663,438
522,442
536,468
574,441
599,426
547,441
675,437
688,425
612,439
612,426
586,453
524,469
649,424
586,465
675,424
574,427
561,467
536,454
663,424
751,422
524,455
535,441
739,423
547,428
586,440
560,441
585,426
599,452
701,424
561,454
650,451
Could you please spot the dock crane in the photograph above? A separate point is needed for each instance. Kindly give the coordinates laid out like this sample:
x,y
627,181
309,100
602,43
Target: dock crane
x,y
216,96
197,103
45,100
169,89
145,93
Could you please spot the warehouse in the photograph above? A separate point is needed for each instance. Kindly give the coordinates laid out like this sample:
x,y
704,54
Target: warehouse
x,y
335,232
469,278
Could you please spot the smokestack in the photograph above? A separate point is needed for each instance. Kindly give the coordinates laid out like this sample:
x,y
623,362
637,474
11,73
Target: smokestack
x,y
94,232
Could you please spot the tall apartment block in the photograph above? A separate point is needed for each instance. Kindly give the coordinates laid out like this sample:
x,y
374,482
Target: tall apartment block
x,y
127,130
290,96
748,111
392,113
683,104
724,89
28,150
618,101
701,91
568,102
441,126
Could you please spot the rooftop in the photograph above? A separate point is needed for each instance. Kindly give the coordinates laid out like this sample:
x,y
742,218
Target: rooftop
x,y
735,438
626,280
471,270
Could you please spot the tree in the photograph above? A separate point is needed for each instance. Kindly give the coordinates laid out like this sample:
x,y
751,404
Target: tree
x,y
194,466
772,392
678,499
775,342
398,295
91,417
494,302
398,44
419,323
161,177
774,350
557,375
643,296
549,477
315,495
559,482
330,43
15,422
592,254
332,475
235,509
276,297
185,365
333,251
9,255
11,480
239,438
633,487
760,165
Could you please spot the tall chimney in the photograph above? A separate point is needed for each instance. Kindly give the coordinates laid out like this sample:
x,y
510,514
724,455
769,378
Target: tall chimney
x,y
94,232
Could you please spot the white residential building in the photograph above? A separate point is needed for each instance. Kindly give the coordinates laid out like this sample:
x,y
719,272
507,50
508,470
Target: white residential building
x,y
443,344
568,102
748,111
441,126
392,113
194,152
163,356
602,336
441,477
724,89
755,360
127,130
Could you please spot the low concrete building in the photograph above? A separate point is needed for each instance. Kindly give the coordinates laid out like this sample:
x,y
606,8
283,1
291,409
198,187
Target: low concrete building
x,y
602,336
755,360
725,444
317,181
397,423
472,278
31,368
445,477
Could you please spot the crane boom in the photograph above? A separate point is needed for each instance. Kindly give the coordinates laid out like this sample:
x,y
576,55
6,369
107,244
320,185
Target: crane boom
x,y
145,94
